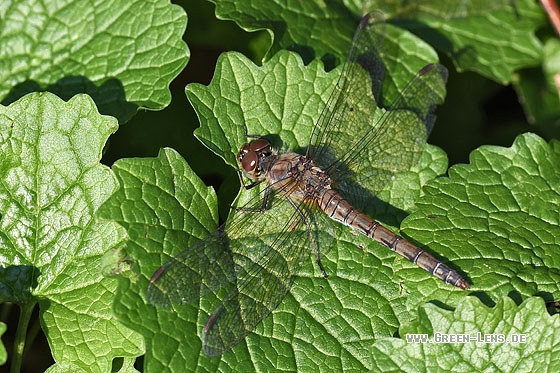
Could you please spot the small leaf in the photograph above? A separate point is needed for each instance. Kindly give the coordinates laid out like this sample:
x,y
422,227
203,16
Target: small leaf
x,y
503,338
3,353
296,26
50,243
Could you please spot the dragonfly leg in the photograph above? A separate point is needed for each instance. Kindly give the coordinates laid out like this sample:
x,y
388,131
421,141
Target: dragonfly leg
x,y
314,246
318,261
248,186
263,205
315,249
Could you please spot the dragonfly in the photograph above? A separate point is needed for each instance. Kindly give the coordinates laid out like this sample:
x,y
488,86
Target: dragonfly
x,y
253,258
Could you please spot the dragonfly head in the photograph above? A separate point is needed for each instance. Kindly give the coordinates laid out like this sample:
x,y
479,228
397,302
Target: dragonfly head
x,y
252,155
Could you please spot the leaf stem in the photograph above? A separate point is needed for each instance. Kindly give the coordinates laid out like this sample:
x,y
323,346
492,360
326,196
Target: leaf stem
x,y
26,310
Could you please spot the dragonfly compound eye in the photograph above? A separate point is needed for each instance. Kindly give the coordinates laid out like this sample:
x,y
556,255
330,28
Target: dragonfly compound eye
x,y
248,161
260,145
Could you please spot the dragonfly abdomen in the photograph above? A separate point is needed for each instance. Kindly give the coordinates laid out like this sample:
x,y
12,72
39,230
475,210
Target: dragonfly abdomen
x,y
341,210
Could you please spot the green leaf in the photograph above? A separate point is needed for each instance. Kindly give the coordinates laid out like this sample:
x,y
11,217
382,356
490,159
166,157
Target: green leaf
x,y
124,53
319,316
165,208
284,98
498,218
539,93
50,242
492,38
3,353
472,319
297,26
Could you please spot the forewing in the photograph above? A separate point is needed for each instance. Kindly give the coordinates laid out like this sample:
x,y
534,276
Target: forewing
x,y
329,138
361,146
395,140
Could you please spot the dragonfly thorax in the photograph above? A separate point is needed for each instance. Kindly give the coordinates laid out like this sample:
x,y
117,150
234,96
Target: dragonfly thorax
x,y
298,176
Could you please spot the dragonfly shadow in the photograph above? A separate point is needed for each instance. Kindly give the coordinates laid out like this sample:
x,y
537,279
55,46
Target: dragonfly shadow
x,y
464,56
373,64
435,254
514,295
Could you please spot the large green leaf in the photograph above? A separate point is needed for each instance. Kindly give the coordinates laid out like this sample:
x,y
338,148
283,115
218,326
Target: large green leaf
x,y
50,242
501,213
123,53
165,208
503,338
319,316
283,97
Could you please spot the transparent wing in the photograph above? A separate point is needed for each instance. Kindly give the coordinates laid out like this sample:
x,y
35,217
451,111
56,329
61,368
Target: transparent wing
x,y
330,135
382,142
265,265
204,267
255,255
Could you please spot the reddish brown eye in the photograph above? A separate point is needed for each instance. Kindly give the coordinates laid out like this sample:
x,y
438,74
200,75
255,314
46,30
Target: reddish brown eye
x,y
259,144
242,152
250,154
249,161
